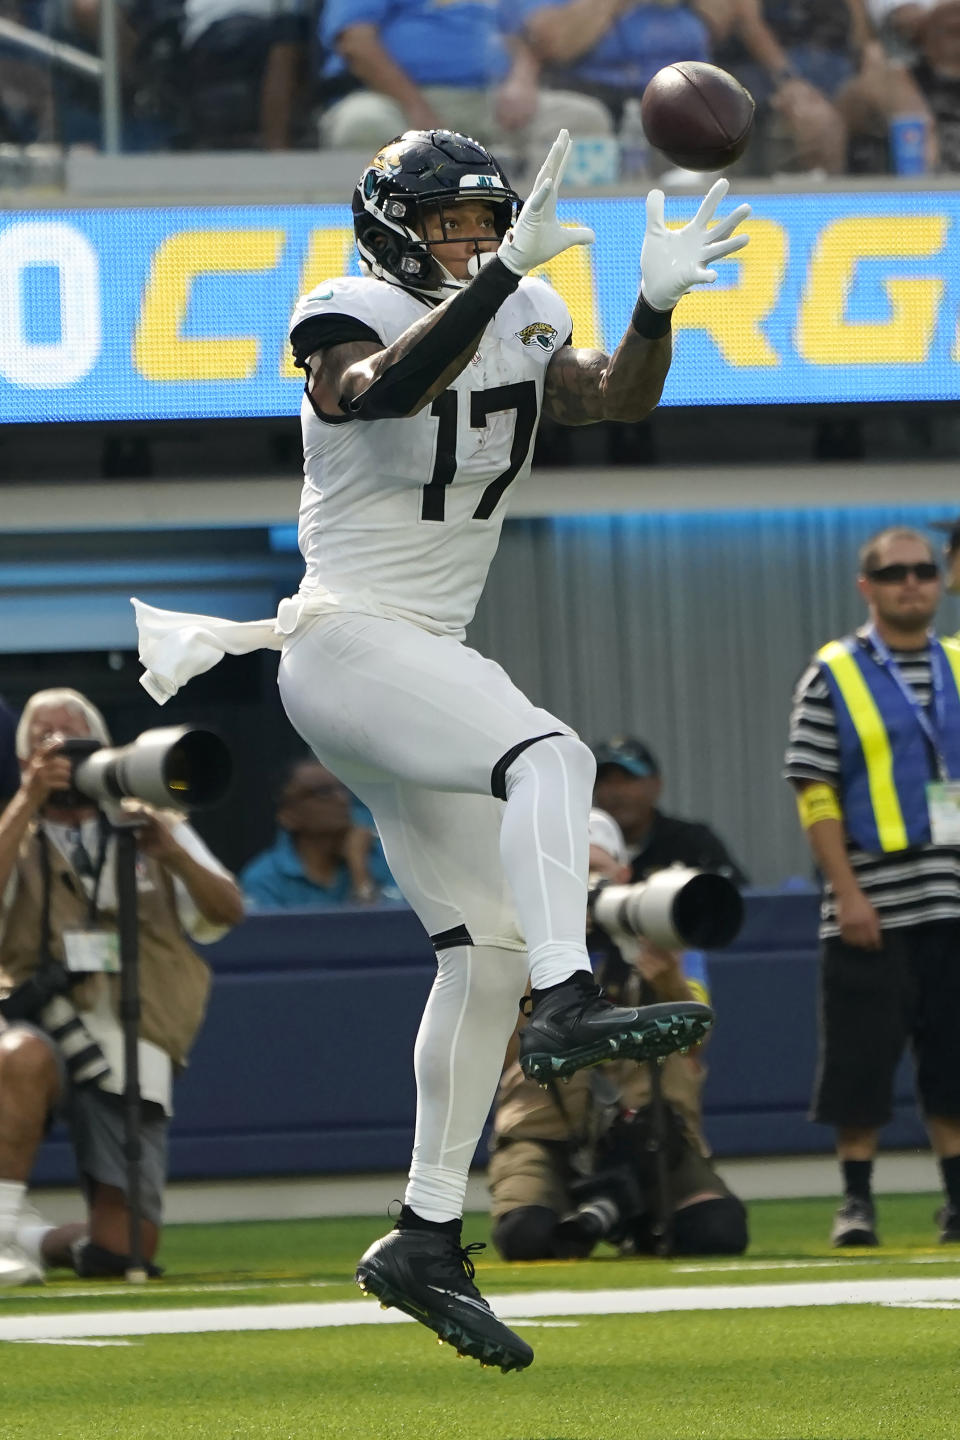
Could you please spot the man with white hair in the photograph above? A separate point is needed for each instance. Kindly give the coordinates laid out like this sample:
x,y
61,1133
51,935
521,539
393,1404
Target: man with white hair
x,y
61,1042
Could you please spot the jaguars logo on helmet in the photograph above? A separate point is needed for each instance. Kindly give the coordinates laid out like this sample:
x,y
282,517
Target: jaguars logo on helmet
x,y
418,168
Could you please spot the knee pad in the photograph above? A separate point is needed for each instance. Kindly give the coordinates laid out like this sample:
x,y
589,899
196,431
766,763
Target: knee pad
x,y
497,976
711,1227
526,1233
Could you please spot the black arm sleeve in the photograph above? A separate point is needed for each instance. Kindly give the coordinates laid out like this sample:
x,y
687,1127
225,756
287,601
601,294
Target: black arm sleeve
x,y
318,332
400,388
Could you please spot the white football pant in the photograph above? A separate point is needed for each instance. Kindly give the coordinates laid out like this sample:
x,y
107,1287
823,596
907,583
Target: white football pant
x,y
423,730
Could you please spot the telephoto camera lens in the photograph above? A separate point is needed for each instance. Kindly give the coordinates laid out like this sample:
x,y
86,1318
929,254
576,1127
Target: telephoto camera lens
x,y
85,1061
674,908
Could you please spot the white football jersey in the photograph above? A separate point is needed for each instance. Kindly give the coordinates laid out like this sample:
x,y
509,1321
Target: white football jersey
x,y
402,517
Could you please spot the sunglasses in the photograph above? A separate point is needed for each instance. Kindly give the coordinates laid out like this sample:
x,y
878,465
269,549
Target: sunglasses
x,y
897,573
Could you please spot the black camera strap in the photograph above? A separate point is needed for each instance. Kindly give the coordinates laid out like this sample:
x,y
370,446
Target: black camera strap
x,y
93,909
46,874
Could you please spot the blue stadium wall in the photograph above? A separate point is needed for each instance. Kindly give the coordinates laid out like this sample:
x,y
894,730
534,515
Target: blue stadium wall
x,y
305,1063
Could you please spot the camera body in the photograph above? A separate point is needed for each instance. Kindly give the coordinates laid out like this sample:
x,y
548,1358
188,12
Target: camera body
x,y
612,1201
44,1000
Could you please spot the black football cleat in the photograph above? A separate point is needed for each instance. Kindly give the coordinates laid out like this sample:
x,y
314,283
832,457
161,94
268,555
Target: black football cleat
x,y
428,1275
571,1026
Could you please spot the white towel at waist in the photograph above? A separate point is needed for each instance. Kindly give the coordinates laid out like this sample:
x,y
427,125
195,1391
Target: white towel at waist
x,y
175,646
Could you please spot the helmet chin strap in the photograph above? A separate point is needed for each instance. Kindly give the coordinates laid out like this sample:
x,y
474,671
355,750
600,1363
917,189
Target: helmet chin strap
x,y
449,282
474,265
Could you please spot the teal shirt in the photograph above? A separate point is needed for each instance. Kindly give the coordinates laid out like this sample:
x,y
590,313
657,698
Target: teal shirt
x,y
275,880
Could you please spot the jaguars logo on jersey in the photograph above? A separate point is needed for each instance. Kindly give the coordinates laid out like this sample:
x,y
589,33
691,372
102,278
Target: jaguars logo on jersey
x,y
538,333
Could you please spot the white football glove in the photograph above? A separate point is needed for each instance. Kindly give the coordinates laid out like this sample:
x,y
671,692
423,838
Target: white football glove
x,y
538,235
673,260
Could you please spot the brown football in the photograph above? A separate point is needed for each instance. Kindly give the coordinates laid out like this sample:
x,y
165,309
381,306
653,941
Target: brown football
x,y
698,115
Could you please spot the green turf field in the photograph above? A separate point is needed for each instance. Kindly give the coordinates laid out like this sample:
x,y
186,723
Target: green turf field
x,y
815,1372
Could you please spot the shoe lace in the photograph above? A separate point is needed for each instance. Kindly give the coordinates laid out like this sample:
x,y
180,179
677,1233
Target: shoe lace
x,y
588,993
462,1266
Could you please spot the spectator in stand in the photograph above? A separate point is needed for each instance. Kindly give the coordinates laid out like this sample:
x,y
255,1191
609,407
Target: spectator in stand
x,y
146,93
628,787
438,64
925,35
897,23
321,856
803,60
897,83
9,765
609,49
26,93
936,76
244,64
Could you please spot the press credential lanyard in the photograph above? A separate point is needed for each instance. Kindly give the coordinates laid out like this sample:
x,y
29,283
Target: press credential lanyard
x,y
934,728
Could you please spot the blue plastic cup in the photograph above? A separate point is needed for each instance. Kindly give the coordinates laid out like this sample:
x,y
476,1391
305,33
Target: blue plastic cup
x,y
908,144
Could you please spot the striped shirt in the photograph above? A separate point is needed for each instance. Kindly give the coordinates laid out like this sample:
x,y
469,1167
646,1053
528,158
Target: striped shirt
x,y
906,887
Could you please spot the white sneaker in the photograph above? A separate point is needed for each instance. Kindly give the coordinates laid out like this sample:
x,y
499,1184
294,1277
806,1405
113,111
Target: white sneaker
x,y
16,1267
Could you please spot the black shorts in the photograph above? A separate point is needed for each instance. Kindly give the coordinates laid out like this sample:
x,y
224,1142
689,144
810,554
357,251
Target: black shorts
x,y
872,1003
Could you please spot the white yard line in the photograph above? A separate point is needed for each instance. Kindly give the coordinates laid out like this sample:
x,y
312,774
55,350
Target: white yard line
x,y
93,1344
149,1293
308,1316
734,1267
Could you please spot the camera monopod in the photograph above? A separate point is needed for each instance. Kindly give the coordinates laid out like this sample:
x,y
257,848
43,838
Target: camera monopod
x,y
128,927
662,1224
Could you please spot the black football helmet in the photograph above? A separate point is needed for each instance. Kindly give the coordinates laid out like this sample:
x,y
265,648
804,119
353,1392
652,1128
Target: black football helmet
x,y
418,168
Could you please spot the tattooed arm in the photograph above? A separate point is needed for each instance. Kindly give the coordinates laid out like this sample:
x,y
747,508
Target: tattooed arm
x,y
584,386
326,370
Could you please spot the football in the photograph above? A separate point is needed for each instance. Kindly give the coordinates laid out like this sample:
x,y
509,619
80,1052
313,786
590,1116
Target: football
x,y
698,115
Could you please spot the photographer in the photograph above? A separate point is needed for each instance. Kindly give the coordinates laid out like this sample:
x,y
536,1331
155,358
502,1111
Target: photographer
x,y
575,1164
61,1041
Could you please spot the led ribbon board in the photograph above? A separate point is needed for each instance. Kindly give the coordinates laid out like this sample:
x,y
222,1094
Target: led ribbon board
x,y
169,313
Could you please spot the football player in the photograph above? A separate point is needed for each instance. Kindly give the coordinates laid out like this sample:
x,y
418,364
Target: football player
x,y
425,381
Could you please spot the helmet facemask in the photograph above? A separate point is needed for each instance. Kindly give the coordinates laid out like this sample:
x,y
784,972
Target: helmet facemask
x,y
439,211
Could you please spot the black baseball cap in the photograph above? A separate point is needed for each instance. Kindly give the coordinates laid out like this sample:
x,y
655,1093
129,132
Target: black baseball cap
x,y
630,754
952,528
